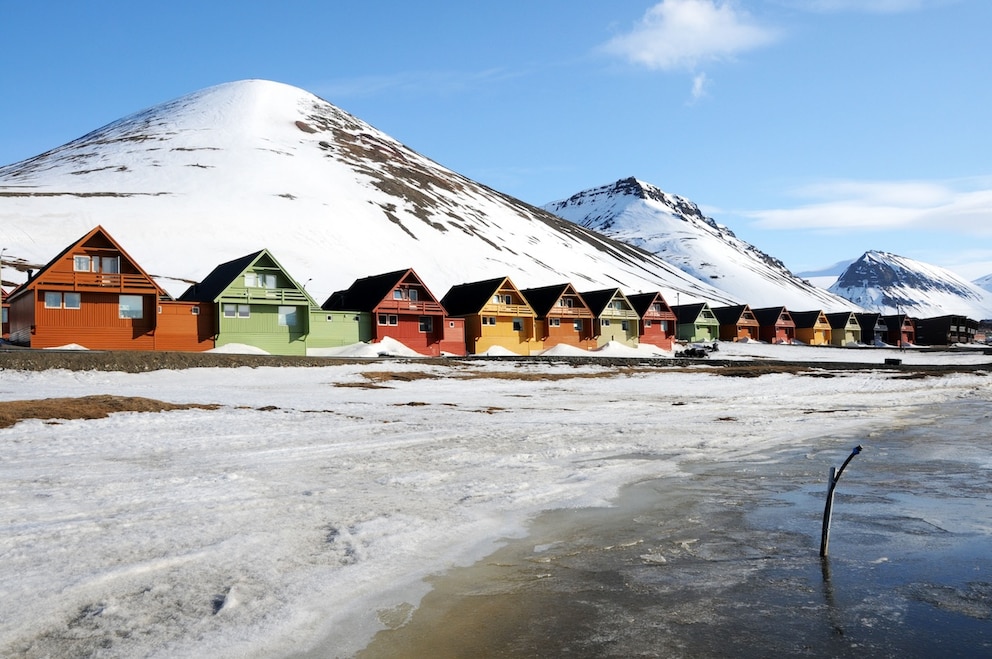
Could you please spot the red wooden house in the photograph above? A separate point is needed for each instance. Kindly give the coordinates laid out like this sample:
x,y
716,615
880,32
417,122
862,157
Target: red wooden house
x,y
403,309
737,322
658,321
901,330
95,295
775,325
562,317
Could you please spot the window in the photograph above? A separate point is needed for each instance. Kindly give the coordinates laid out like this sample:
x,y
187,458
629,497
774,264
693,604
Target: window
x,y
489,320
624,325
397,294
577,325
647,323
260,280
195,311
426,323
518,324
287,316
388,319
111,265
413,294
56,300
244,311
565,302
451,324
555,322
4,318
618,304
130,306
237,311
606,322
656,307
81,263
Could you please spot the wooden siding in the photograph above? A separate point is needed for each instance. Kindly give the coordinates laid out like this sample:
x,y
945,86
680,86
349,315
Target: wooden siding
x,y
262,330
95,325
184,326
334,329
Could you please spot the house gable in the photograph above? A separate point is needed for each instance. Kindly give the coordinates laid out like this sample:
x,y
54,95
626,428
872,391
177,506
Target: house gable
x,y
93,294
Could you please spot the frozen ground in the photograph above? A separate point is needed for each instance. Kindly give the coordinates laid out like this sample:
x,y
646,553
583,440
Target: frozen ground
x,y
307,510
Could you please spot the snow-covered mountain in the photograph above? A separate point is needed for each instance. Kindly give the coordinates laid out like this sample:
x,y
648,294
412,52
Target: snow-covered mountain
x,y
984,283
242,166
675,229
887,283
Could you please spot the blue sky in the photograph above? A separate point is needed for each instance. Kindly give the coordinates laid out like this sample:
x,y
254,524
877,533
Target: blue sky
x,y
815,129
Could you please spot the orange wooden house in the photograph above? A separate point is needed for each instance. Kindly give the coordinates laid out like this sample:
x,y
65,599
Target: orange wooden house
x,y
404,309
737,322
562,317
95,295
496,315
658,321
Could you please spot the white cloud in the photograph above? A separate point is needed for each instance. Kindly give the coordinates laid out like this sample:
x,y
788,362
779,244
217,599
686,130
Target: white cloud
x,y
681,34
961,207
699,86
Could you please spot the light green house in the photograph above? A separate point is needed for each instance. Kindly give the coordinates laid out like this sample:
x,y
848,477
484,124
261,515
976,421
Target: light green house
x,y
614,317
259,304
696,323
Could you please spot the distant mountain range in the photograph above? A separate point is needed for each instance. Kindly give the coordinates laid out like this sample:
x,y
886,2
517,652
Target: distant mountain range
x,y
242,166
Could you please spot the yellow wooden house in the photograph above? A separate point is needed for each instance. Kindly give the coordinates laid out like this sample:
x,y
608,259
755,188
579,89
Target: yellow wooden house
x,y
812,327
497,316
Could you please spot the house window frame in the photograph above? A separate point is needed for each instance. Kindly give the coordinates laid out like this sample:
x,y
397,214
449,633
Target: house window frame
x,y
126,310
387,319
426,324
79,259
518,324
554,322
288,316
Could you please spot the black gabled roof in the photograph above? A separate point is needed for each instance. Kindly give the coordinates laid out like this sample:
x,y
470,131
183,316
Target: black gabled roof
x,y
641,302
470,298
542,300
839,319
366,293
219,279
769,316
597,300
805,318
730,315
688,313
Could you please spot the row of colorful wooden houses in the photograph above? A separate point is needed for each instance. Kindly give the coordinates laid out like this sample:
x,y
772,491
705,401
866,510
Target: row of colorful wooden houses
x,y
93,294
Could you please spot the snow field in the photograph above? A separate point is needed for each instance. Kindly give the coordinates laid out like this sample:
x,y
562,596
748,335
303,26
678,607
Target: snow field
x,y
308,509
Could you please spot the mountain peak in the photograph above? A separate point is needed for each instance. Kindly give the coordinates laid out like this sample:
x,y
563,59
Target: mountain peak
x,y
886,282
254,164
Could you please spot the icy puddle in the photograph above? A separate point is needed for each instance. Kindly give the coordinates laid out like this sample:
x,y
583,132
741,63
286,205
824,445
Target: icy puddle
x,y
724,560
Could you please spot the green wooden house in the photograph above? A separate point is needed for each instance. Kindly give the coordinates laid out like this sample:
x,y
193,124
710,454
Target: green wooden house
x,y
259,304
696,323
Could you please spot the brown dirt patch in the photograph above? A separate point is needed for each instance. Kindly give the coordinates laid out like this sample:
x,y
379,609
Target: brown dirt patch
x,y
86,407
